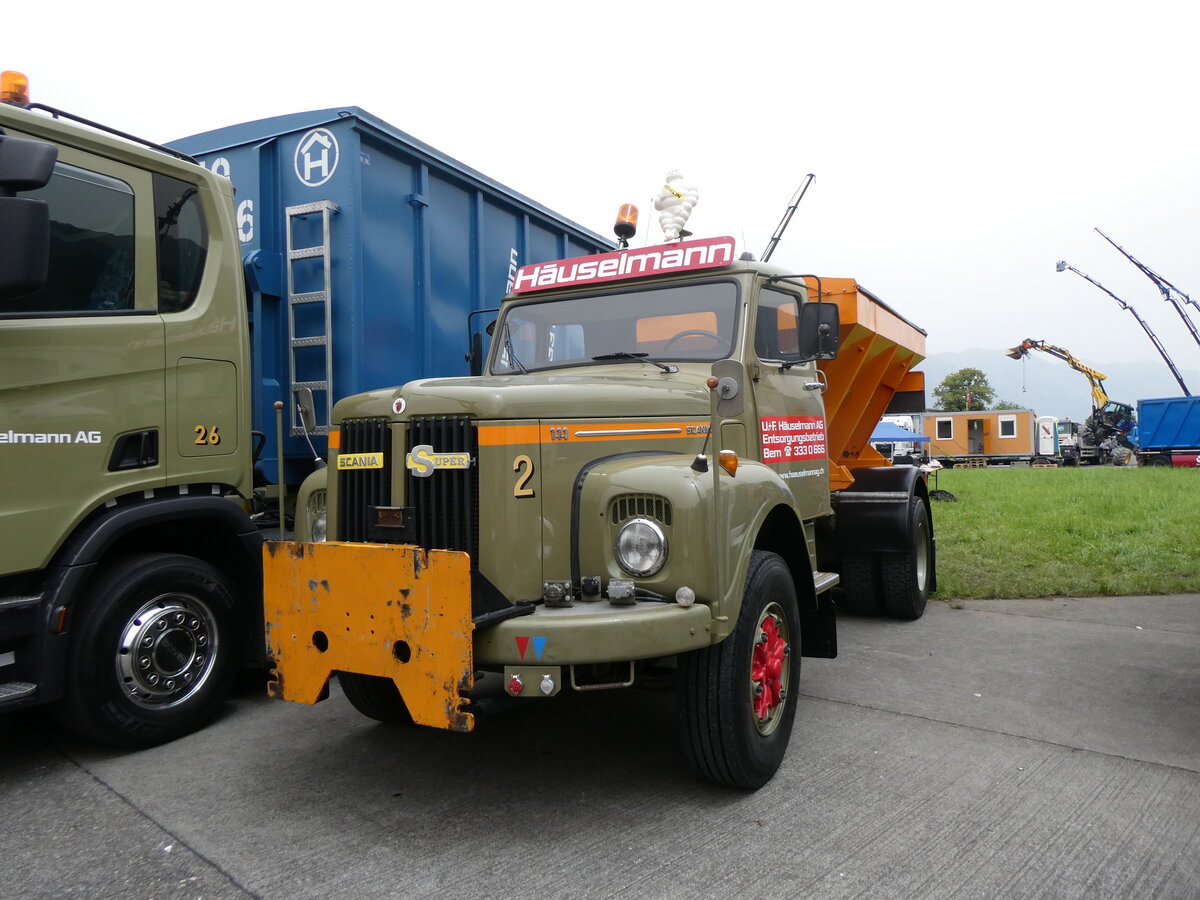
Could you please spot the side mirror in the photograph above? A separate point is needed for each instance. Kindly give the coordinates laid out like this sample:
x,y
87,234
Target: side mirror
x,y
819,331
25,165
308,415
475,349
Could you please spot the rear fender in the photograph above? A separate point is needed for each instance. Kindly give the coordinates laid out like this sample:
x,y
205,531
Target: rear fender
x,y
873,513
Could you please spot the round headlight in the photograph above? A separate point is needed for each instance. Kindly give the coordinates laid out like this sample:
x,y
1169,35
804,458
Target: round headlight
x,y
641,547
319,529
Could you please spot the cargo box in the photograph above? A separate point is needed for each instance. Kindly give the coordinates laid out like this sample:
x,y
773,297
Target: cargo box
x,y
365,251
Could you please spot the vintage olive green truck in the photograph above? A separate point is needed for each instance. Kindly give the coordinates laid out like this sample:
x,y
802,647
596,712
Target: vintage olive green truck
x,y
663,466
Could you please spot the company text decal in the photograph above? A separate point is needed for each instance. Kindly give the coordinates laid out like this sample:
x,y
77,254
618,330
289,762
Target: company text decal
x,y
787,439
665,259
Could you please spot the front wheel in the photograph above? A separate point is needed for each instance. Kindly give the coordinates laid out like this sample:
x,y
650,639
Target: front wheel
x,y
737,699
375,697
152,651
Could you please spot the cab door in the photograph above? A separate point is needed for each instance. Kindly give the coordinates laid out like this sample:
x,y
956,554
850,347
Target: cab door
x,y
790,414
81,362
201,303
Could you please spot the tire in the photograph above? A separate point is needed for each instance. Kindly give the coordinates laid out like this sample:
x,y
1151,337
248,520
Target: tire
x,y
737,700
1159,461
181,612
906,576
861,585
375,697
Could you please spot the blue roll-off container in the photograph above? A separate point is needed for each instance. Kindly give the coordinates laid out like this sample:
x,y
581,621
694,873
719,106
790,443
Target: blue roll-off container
x,y
1169,423
365,252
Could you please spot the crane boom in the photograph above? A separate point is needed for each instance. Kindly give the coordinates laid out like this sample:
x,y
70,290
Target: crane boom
x,y
1110,421
1170,293
1062,266
1095,378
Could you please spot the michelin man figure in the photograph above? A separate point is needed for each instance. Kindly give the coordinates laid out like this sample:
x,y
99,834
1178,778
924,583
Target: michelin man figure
x,y
674,203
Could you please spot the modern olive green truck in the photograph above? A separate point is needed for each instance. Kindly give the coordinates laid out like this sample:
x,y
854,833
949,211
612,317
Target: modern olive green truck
x,y
662,468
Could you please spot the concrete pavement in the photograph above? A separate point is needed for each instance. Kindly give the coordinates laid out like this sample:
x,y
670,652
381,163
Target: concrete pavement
x,y
1009,748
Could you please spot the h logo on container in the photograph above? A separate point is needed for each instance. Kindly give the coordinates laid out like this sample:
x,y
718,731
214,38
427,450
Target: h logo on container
x,y
316,157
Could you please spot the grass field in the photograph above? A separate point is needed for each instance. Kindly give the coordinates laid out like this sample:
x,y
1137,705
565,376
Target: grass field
x,y
1080,532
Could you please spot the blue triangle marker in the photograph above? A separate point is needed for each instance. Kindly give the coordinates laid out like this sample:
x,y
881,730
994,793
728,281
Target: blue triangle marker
x,y
539,644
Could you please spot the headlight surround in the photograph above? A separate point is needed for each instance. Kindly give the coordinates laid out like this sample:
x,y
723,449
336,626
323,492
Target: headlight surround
x,y
641,547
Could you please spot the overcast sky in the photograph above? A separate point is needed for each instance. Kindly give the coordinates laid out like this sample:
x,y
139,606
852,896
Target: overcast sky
x,y
959,149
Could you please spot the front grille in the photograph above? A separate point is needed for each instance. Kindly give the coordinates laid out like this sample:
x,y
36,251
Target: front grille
x,y
631,506
360,489
446,502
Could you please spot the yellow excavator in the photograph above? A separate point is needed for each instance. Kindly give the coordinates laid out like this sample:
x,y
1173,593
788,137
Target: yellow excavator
x,y
1098,440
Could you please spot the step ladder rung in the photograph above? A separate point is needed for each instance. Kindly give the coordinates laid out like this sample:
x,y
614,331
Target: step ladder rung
x,y
306,209
312,297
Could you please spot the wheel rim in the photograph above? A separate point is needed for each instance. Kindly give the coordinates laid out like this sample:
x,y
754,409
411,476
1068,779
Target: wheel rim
x,y
770,672
167,650
921,553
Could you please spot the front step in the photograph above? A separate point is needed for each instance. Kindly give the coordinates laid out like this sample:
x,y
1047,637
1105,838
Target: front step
x,y
823,581
11,691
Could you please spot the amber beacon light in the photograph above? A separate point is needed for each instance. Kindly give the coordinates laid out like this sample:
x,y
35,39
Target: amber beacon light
x,y
626,226
14,88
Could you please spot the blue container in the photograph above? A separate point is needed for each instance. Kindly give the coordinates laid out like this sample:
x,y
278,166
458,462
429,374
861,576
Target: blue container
x,y
1170,423
366,251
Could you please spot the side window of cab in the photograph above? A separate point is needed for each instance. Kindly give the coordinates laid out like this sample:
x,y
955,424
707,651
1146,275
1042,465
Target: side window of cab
x,y
92,247
776,329
182,238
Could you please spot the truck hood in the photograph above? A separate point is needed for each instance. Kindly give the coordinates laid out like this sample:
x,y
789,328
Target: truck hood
x,y
640,393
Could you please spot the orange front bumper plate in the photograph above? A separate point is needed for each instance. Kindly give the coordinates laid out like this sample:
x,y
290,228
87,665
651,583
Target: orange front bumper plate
x,y
372,609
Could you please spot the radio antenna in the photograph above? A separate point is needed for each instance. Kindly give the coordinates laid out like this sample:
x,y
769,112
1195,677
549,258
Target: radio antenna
x,y
787,216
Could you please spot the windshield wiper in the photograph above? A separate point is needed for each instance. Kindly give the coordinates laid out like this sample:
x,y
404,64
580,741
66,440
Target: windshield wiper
x,y
639,357
510,353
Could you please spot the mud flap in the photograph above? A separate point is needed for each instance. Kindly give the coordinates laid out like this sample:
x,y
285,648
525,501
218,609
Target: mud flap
x,y
390,610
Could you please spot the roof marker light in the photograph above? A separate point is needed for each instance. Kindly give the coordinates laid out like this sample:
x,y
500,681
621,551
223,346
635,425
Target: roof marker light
x,y
14,88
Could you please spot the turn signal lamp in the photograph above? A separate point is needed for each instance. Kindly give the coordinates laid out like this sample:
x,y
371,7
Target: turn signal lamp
x,y
627,220
728,460
14,89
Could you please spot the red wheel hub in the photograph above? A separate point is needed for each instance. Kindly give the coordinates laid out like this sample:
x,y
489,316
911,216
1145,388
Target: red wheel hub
x,y
767,666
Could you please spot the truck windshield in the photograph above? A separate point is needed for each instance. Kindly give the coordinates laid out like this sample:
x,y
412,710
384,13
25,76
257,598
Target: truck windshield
x,y
692,322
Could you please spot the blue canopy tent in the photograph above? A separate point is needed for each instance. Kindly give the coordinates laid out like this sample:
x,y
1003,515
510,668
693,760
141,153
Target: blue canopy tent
x,y
886,431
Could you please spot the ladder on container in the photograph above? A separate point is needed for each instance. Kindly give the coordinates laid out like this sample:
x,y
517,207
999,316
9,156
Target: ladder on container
x,y
324,385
